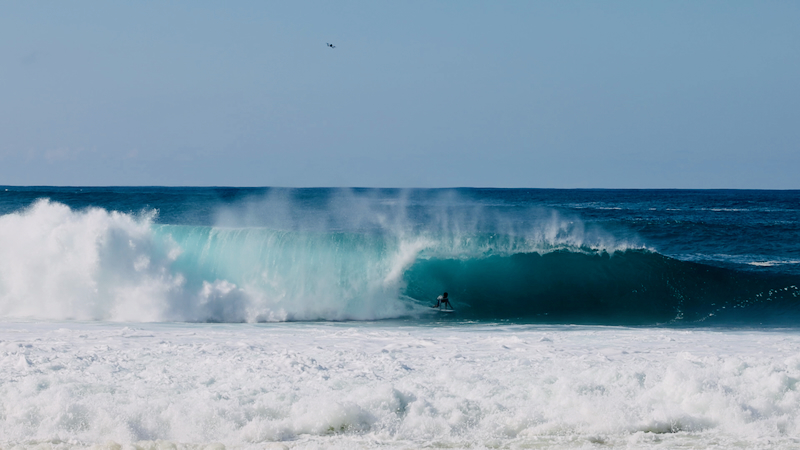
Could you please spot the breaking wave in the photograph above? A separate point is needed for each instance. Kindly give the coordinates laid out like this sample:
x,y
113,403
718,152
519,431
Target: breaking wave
x,y
94,264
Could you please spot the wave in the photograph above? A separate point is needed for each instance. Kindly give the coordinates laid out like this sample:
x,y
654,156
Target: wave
x,y
631,287
63,264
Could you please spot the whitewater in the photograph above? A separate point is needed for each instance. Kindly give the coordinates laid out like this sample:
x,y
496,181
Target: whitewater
x,y
283,318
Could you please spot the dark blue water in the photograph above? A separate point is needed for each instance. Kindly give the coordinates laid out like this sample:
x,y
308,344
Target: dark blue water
x,y
564,256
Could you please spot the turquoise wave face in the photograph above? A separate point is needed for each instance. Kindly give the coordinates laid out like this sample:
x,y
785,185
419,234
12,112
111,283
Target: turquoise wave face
x,y
284,275
337,276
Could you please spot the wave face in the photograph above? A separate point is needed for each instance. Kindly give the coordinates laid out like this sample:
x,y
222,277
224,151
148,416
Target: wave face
x,y
357,258
629,288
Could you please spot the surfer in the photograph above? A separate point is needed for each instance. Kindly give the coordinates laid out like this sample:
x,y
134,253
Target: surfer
x,y
442,300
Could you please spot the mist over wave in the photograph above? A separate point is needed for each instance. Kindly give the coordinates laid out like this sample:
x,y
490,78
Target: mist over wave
x,y
281,257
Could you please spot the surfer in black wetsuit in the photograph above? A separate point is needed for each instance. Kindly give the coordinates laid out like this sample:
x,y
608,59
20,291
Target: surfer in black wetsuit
x,y
442,300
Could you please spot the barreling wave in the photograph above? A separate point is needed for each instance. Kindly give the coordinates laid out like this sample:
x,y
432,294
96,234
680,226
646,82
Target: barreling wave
x,y
633,287
58,263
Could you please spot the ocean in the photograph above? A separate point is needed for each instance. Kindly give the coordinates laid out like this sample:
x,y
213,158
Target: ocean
x,y
197,318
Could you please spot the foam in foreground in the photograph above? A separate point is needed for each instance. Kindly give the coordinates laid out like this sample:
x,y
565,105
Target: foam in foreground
x,y
378,386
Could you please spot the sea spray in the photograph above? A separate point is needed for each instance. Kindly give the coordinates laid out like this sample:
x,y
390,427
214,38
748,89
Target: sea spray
x,y
57,263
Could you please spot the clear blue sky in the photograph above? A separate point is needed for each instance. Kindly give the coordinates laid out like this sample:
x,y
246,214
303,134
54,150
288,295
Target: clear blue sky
x,y
567,94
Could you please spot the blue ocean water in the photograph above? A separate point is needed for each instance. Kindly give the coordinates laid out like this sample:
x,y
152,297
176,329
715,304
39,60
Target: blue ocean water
x,y
196,318
611,257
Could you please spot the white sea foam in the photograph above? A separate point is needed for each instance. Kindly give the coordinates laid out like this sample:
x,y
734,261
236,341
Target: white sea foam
x,y
93,264
773,263
744,259
376,386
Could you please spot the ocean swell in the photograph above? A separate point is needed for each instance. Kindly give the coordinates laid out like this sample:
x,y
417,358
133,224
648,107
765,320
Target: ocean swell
x,y
63,264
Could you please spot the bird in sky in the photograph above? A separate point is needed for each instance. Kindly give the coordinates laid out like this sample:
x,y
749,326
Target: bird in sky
x,y
331,45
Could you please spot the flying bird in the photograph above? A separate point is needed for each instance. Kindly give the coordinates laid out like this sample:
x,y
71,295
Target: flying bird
x,y
331,45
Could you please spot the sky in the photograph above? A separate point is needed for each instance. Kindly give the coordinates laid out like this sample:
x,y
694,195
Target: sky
x,y
558,94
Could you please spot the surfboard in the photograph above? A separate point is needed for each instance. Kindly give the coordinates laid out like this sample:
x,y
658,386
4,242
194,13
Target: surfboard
x,y
444,310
